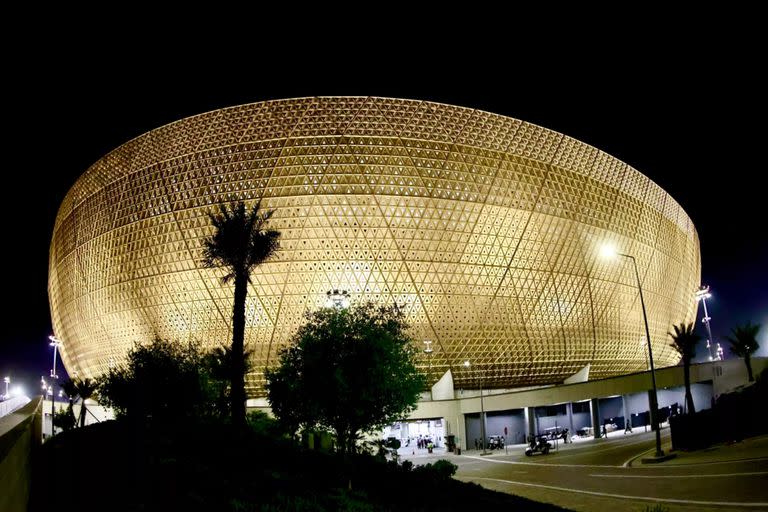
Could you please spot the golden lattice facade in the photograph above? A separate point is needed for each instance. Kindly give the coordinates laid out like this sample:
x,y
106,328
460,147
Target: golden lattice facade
x,y
484,228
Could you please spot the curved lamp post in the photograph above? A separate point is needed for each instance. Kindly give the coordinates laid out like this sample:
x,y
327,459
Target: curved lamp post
x,y
608,252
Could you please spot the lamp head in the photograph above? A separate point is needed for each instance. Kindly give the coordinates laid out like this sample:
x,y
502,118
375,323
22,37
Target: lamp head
x,y
608,251
703,293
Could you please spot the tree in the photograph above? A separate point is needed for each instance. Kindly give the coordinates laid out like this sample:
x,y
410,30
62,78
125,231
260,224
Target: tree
x,y
85,389
64,419
351,371
70,389
219,363
239,243
744,343
162,380
684,340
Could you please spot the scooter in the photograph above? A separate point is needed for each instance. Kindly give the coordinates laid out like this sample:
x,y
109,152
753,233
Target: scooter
x,y
541,445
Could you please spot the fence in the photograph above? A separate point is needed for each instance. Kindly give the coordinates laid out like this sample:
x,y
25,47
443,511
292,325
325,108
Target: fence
x,y
20,433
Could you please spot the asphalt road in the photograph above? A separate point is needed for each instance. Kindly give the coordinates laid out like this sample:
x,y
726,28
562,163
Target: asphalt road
x,y
607,474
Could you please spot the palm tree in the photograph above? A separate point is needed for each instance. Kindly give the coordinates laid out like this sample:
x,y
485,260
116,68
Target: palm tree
x,y
85,389
744,343
70,389
239,243
684,340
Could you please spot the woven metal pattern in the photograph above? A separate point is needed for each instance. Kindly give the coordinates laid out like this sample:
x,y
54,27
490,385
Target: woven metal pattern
x,y
485,229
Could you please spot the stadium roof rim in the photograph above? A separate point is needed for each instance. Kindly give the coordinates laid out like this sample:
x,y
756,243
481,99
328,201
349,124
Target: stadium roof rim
x,y
685,223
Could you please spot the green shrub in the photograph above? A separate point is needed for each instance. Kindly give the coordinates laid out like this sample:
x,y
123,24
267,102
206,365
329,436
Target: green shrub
x,y
441,469
162,380
64,419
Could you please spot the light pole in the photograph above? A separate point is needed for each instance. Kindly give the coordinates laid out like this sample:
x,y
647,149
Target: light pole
x,y
467,364
703,294
428,351
55,343
7,381
608,252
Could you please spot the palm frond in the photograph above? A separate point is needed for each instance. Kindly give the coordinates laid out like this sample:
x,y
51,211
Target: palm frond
x,y
684,340
743,339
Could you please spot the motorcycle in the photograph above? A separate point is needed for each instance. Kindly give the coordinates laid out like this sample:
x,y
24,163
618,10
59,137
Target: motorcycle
x,y
540,445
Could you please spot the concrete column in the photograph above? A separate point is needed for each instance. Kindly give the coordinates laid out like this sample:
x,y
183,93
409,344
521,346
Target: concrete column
x,y
653,413
530,421
627,417
594,407
569,410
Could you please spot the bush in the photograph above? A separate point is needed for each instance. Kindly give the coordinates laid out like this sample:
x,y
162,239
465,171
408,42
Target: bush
x,y
716,425
64,419
440,470
163,381
262,424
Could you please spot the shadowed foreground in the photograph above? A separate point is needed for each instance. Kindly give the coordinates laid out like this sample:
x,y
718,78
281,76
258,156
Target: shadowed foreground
x,y
111,466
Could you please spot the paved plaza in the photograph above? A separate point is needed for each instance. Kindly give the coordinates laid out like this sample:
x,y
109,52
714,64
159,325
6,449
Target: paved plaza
x,y
608,474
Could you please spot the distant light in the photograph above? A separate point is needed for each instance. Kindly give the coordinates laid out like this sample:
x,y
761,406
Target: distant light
x,y
338,299
608,251
17,391
467,364
7,380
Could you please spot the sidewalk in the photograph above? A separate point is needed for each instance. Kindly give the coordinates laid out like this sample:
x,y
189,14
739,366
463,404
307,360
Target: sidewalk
x,y
748,449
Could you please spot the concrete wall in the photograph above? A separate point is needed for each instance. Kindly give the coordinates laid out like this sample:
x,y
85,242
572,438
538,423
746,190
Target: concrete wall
x,y
581,420
730,374
544,422
19,434
10,405
94,413
611,408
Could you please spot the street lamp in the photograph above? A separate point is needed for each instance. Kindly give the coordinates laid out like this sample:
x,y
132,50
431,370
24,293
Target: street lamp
x,y
7,381
703,294
428,350
55,343
467,364
338,299
609,252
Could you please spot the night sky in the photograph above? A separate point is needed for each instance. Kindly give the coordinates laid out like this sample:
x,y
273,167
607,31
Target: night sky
x,y
687,111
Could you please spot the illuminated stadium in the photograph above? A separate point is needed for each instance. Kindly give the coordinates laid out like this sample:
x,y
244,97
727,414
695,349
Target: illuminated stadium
x,y
484,228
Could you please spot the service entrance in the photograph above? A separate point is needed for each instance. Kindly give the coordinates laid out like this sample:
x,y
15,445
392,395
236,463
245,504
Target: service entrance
x,y
417,434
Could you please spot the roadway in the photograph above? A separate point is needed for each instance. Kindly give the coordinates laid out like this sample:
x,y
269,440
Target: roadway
x,y
607,474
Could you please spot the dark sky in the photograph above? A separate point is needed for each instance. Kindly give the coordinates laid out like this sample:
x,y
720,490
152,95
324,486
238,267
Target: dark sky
x,y
687,109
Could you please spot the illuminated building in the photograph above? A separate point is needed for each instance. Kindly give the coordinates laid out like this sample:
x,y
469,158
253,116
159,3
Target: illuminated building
x,y
484,228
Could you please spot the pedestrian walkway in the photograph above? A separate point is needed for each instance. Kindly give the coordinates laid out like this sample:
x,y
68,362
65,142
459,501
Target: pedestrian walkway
x,y
748,449
422,455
